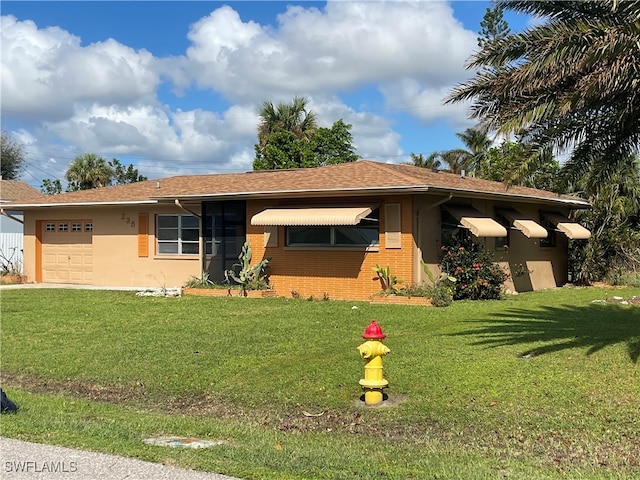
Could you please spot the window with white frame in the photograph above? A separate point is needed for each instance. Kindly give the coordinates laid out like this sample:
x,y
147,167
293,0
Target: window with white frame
x,y
177,235
365,234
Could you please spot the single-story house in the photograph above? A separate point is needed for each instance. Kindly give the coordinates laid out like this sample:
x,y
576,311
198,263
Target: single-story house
x,y
11,221
324,229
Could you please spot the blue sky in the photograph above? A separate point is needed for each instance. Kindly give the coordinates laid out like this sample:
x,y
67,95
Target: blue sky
x,y
174,87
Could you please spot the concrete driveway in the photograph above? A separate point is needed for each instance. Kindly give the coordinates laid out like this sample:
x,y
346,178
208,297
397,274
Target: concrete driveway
x,y
24,460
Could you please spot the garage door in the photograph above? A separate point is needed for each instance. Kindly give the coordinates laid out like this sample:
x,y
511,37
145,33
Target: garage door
x,y
67,251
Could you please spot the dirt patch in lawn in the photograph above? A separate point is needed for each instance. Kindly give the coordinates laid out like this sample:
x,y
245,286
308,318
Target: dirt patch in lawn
x,y
562,451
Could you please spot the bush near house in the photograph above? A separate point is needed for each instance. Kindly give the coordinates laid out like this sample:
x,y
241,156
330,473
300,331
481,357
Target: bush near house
x,y
477,277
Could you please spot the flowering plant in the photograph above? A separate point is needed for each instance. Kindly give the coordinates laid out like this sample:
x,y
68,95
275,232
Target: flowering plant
x,y
477,277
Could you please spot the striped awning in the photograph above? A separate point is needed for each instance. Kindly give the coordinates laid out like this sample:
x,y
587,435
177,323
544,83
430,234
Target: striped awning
x,y
529,227
479,224
319,216
571,229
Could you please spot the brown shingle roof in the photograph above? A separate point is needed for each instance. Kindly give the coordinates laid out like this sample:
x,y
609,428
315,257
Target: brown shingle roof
x,y
345,179
14,190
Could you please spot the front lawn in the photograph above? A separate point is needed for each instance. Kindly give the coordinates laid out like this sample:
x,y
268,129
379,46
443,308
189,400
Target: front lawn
x,y
541,385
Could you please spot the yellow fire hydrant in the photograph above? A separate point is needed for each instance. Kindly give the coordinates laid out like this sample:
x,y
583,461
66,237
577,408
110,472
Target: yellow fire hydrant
x,y
372,350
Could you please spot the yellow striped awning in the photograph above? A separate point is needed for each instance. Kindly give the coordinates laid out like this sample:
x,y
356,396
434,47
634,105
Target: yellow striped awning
x,y
571,229
479,224
318,216
529,227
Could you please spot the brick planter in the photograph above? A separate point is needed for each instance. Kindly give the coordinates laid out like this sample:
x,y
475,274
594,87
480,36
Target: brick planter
x,y
220,292
12,279
400,300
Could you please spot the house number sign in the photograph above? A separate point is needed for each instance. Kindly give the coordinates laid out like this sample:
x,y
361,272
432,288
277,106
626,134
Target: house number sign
x,y
126,219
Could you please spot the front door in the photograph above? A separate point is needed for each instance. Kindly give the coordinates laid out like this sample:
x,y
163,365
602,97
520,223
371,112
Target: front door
x,y
225,233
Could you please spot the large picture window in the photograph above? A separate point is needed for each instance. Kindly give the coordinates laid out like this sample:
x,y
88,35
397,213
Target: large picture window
x,y
177,235
365,234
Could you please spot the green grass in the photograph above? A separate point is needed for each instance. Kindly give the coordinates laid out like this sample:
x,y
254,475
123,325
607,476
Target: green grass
x,y
541,385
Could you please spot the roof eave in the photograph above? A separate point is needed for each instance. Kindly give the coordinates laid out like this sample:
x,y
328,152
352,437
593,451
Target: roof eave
x,y
26,206
296,193
578,203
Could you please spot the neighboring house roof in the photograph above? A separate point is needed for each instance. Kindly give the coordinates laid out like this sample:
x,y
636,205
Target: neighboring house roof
x,y
14,190
348,179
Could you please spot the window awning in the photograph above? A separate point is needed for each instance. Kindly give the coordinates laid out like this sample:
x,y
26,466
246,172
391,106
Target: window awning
x,y
571,229
479,224
319,216
530,228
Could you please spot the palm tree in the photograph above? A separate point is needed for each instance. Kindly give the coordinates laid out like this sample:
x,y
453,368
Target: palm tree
x,y
291,117
478,144
432,162
569,83
88,171
457,160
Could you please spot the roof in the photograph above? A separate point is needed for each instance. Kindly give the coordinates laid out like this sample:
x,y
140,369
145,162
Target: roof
x,y
347,179
14,190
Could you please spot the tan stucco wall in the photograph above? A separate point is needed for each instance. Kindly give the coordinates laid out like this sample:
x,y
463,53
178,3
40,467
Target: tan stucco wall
x,y
530,267
115,247
339,273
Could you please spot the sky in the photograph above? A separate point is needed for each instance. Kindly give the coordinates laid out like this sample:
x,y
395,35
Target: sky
x,y
174,88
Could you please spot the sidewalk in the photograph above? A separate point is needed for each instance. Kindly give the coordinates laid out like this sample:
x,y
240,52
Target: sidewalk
x,y
24,460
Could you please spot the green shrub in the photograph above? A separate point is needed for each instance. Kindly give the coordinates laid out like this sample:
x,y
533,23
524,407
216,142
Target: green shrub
x,y
417,290
477,277
442,296
629,279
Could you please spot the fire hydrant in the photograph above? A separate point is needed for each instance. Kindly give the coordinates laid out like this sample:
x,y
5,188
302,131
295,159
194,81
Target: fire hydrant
x,y
372,350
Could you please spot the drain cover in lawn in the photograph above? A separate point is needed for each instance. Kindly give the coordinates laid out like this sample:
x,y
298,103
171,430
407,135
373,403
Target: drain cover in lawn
x,y
186,442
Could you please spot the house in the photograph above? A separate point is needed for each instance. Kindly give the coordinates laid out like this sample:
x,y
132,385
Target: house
x,y
11,221
323,228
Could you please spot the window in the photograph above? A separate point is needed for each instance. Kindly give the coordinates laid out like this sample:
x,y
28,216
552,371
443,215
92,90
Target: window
x,y
365,234
502,242
63,227
88,227
550,241
177,235
76,227
451,232
50,227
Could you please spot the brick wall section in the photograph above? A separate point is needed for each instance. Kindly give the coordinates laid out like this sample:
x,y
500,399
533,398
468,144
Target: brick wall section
x,y
341,274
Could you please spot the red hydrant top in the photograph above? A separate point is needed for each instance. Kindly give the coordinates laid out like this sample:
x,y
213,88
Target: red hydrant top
x,y
373,332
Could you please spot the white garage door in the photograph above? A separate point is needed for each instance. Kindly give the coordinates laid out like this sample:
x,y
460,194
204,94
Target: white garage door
x,y
67,252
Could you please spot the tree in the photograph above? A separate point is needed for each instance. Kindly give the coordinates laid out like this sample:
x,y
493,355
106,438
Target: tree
x,y
506,162
333,145
432,162
51,187
478,143
288,137
121,175
88,171
292,117
569,83
456,159
494,26
92,171
12,157
614,222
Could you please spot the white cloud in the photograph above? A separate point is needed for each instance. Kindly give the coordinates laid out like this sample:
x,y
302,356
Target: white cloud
x,y
103,97
344,46
46,72
426,103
